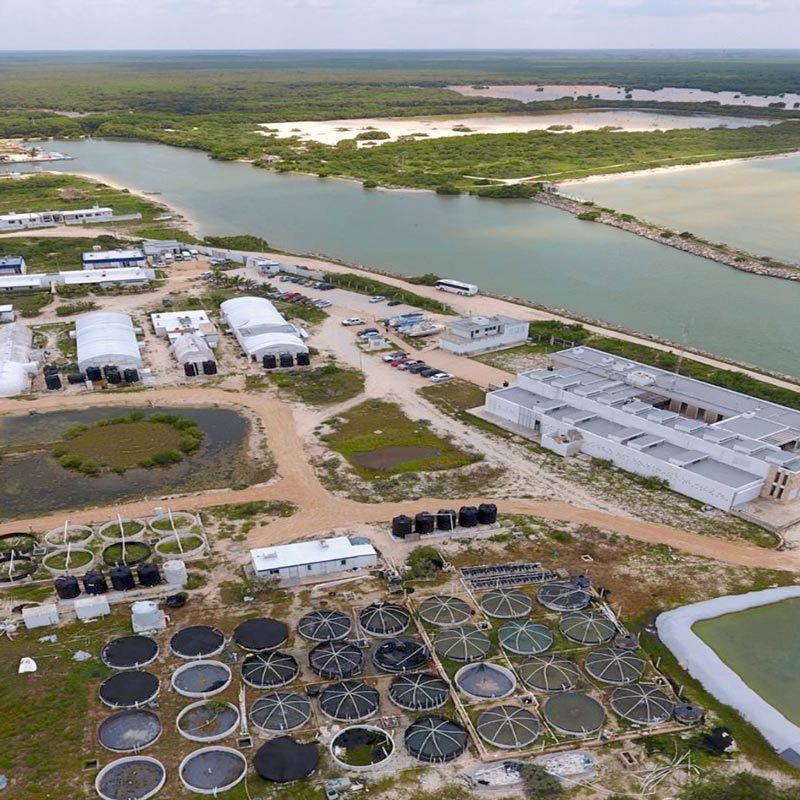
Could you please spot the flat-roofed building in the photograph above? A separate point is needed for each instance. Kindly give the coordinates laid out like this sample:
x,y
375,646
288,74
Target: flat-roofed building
x,y
718,446
47,219
105,278
114,259
156,248
480,334
6,313
13,265
172,324
260,328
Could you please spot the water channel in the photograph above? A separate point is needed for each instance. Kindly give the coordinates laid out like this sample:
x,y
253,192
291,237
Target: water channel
x,y
513,247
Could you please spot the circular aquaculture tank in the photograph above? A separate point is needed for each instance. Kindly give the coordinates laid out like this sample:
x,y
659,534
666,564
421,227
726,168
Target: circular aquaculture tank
x,y
444,611
486,681
550,673
587,627
129,652
508,727
201,678
129,689
182,545
131,778
349,701
467,643
197,641
524,637
64,562
269,670
419,691
21,544
174,522
207,720
563,597
506,603
401,654
129,731
574,714
362,748
384,619
324,626
435,740
15,568
688,713
279,712
260,634
212,770
69,534
615,666
285,760
128,529
336,660
127,553
642,704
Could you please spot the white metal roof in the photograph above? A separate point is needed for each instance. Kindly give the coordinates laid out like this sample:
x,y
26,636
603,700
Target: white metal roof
x,y
300,553
15,363
191,347
20,281
106,337
177,320
112,255
259,326
120,275
4,309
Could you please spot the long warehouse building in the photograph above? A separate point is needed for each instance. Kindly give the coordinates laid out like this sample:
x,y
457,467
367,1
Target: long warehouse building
x,y
107,338
260,328
718,446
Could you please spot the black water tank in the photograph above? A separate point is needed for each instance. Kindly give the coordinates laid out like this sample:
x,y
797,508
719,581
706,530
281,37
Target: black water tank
x,y
303,359
286,360
269,361
67,587
402,526
467,516
95,583
487,513
122,578
94,373
76,377
209,368
148,574
446,519
50,369
107,369
424,522
189,369
131,375
52,381
113,376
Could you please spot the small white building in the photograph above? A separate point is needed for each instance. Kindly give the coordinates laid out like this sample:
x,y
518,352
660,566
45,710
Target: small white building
x,y
157,248
105,278
114,259
296,562
13,265
192,348
47,219
107,338
6,313
479,334
172,324
22,283
260,328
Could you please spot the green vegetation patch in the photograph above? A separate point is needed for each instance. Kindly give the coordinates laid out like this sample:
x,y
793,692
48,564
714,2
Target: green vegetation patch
x,y
171,546
322,386
122,443
378,439
128,553
365,285
75,559
55,253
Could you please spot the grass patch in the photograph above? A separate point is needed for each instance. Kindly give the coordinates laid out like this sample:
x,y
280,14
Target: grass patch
x,y
170,546
322,386
74,560
256,508
381,428
30,304
131,553
364,285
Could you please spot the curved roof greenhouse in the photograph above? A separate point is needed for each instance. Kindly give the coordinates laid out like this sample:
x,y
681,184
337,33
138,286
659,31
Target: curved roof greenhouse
x,y
508,727
106,337
506,603
587,627
525,637
614,665
260,328
466,643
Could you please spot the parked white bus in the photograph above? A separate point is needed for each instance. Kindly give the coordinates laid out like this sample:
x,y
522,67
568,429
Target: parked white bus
x,y
457,287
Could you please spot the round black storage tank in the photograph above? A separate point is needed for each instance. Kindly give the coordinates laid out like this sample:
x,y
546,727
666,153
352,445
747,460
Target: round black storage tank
x,y
487,513
148,574
402,526
446,519
209,368
189,369
286,360
424,522
122,578
131,375
269,361
94,373
467,516
76,377
95,583
67,587
303,359
113,376
52,381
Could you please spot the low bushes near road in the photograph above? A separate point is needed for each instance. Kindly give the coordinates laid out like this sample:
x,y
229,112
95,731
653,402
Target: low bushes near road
x,y
371,286
322,386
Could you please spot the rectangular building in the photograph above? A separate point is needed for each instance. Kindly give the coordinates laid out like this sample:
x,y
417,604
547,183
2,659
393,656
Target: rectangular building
x,y
105,278
157,248
13,265
296,562
718,446
172,324
47,219
114,259
6,313
260,328
478,334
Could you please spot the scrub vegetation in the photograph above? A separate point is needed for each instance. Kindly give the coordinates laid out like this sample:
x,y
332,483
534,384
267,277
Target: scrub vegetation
x,y
322,386
365,285
55,253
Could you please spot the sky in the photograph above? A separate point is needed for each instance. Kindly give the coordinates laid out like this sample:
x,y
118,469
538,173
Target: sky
x,y
379,24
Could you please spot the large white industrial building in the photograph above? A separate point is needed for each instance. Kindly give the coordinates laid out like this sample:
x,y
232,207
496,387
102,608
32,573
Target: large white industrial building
x,y
16,365
718,446
35,281
299,561
260,328
107,338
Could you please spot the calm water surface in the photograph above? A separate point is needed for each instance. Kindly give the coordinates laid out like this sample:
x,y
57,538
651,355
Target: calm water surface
x,y
512,247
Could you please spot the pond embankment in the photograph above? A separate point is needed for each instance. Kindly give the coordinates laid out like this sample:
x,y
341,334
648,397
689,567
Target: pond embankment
x,y
687,242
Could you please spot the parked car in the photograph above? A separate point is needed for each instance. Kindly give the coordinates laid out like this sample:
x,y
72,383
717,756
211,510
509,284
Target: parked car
x,y
365,331
394,303
392,356
378,298
350,321
429,372
322,303
441,377
415,369
406,365
399,361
